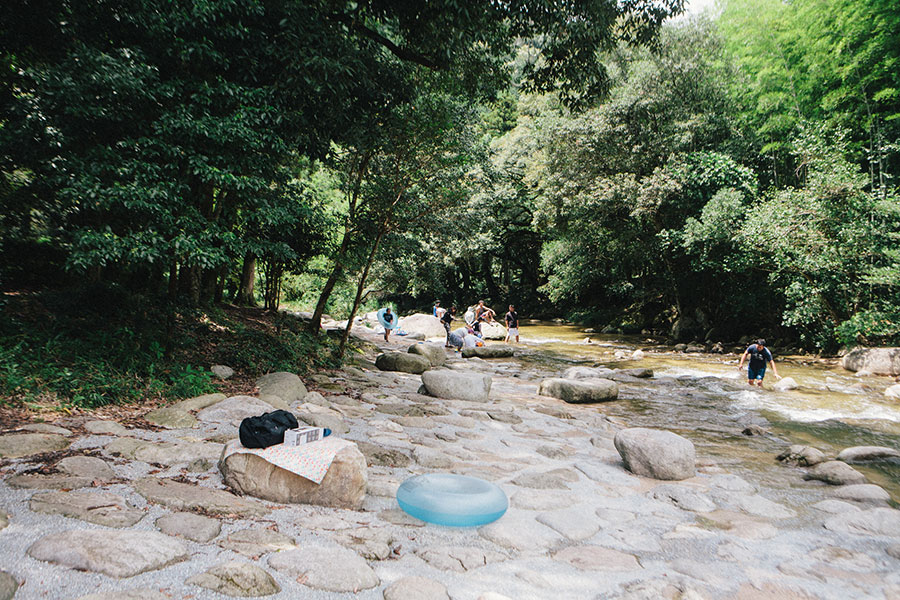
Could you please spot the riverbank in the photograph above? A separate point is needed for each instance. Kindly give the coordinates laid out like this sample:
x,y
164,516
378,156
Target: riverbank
x,y
579,524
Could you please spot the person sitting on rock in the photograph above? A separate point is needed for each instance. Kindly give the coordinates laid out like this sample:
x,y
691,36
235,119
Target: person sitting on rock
x,y
756,368
483,311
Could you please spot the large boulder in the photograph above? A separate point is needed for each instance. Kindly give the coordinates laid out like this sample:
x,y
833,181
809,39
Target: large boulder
x,y
456,385
493,331
435,353
488,352
402,361
580,391
657,454
786,384
867,453
880,361
835,472
287,386
427,325
344,485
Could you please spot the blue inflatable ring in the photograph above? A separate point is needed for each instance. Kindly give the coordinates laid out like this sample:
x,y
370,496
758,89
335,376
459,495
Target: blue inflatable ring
x,y
454,500
384,323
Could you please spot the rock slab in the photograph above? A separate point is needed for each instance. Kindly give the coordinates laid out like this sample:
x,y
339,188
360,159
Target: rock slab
x,y
193,527
287,386
456,385
237,579
657,454
416,588
403,362
114,553
880,361
435,354
328,568
344,485
580,391
26,444
488,352
185,496
102,508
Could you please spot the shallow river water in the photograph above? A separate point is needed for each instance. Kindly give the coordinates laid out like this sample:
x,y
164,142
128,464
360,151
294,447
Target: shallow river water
x,y
711,402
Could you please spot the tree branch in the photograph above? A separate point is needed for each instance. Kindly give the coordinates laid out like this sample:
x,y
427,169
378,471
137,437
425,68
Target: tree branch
x,y
401,53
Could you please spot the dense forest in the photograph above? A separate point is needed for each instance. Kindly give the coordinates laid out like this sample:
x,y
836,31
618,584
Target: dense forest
x,y
619,164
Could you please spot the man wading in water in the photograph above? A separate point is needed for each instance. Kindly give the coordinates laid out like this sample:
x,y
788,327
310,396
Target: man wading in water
x,y
756,368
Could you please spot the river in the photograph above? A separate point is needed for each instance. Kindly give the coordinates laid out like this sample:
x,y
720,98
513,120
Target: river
x,y
710,402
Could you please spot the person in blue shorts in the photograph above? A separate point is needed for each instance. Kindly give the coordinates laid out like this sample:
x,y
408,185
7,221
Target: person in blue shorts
x,y
759,356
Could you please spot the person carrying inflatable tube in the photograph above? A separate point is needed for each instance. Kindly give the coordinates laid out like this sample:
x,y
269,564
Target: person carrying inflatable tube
x,y
388,320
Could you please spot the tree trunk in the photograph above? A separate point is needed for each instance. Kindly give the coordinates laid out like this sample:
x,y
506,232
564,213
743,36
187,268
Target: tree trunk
x,y
359,292
316,323
248,281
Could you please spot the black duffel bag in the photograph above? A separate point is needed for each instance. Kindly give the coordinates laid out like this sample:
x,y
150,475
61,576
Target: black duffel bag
x,y
266,430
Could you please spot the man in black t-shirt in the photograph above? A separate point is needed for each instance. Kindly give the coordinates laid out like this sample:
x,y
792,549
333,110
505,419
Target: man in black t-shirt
x,y
756,368
512,324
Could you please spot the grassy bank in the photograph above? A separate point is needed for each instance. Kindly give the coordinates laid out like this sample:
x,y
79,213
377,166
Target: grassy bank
x,y
92,347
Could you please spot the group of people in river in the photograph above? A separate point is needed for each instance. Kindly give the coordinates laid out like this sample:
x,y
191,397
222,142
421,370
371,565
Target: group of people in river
x,y
471,336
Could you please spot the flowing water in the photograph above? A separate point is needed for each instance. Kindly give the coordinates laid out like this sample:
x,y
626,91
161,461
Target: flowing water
x,y
705,398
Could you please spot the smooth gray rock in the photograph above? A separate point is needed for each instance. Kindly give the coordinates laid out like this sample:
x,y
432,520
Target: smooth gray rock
x,y
867,453
555,479
640,373
233,410
344,485
597,558
428,325
863,492
489,352
403,362
786,384
222,371
576,523
431,458
112,552
443,383
190,526
835,472
163,453
580,391
657,454
519,530
880,361
587,373
8,586
804,456
288,386
493,331
377,455
46,428
106,428
436,354
329,421
875,521
102,508
683,497
458,558
416,588
237,579
328,568
188,497
87,466
17,445
256,542
178,415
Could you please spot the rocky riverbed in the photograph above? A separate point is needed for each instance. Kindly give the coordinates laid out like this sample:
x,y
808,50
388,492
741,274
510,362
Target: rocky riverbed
x,y
143,511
